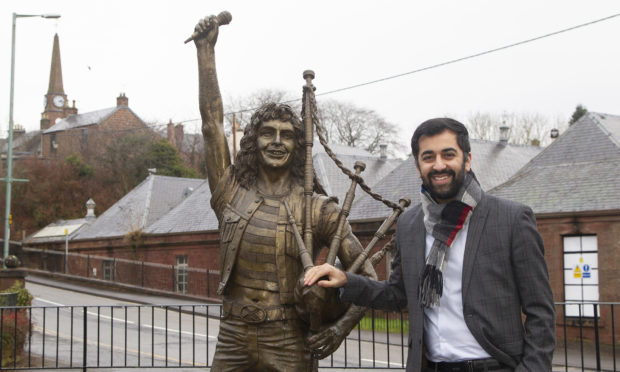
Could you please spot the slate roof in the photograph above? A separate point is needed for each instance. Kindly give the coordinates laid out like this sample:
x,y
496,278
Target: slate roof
x,y
28,143
337,183
493,163
339,149
85,119
141,207
578,172
192,214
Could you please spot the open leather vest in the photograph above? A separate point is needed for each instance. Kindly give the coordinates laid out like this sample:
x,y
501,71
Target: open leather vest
x,y
238,207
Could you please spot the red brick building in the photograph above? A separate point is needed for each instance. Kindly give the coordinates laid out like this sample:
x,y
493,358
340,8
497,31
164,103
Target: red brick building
x,y
88,133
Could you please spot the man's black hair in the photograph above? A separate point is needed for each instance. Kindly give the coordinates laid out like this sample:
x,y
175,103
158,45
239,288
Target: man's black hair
x,y
436,126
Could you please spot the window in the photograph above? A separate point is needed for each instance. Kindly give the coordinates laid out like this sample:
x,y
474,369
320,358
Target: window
x,y
84,141
107,268
53,143
180,268
581,274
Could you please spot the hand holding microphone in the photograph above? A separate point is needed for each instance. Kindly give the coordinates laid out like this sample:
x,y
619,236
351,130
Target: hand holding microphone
x,y
208,23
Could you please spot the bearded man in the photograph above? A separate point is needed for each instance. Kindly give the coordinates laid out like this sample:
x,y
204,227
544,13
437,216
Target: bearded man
x,y
468,267
260,266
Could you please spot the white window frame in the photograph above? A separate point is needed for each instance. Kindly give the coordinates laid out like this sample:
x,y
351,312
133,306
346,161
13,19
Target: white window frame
x,y
181,274
580,268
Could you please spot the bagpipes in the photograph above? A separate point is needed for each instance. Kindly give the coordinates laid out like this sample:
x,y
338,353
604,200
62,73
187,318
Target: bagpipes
x,y
318,305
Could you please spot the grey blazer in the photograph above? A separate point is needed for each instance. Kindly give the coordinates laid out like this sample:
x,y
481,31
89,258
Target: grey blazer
x,y
504,275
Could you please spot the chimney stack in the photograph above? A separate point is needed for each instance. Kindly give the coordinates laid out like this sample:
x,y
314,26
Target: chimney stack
x,y
178,136
170,133
383,151
45,122
71,110
90,210
503,134
122,100
18,130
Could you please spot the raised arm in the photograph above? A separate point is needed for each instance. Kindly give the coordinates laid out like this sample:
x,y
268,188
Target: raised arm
x,y
216,154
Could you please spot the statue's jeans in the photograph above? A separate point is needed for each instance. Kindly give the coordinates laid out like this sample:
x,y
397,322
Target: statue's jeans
x,y
269,346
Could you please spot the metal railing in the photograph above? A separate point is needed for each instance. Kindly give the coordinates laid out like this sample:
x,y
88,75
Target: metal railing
x,y
184,336
587,336
151,336
585,341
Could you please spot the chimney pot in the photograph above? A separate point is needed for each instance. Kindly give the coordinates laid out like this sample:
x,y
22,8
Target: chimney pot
x,y
187,191
503,134
555,133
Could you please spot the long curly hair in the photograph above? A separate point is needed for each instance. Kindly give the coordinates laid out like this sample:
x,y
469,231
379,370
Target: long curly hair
x,y
246,163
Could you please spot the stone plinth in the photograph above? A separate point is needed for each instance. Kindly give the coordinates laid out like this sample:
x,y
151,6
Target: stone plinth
x,y
9,276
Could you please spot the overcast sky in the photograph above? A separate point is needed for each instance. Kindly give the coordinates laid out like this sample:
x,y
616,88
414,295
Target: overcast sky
x,y
136,47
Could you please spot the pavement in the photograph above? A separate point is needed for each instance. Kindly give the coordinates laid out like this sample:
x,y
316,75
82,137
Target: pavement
x,y
573,355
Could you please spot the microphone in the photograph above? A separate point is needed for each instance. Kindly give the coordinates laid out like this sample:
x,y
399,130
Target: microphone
x,y
223,18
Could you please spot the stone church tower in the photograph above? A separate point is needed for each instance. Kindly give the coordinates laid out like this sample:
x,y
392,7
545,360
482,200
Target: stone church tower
x,y
55,101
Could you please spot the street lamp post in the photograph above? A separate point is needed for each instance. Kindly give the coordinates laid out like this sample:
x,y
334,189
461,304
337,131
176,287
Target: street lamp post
x,y
9,153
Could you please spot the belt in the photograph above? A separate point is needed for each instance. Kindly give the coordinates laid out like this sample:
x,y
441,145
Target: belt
x,y
254,315
475,365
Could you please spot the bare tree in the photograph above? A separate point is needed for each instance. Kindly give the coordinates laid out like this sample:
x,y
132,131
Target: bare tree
x,y
528,128
483,125
525,128
353,126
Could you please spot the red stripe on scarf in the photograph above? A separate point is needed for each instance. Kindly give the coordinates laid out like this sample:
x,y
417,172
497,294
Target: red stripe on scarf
x,y
459,225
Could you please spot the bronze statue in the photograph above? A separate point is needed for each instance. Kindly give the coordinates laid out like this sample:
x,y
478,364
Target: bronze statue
x,y
261,329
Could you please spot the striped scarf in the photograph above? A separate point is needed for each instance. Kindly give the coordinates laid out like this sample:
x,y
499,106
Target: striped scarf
x,y
444,222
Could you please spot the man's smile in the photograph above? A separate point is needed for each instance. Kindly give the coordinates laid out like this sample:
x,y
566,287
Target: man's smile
x,y
442,178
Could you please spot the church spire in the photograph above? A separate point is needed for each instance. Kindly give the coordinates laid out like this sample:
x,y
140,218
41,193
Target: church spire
x,y
55,103
56,70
